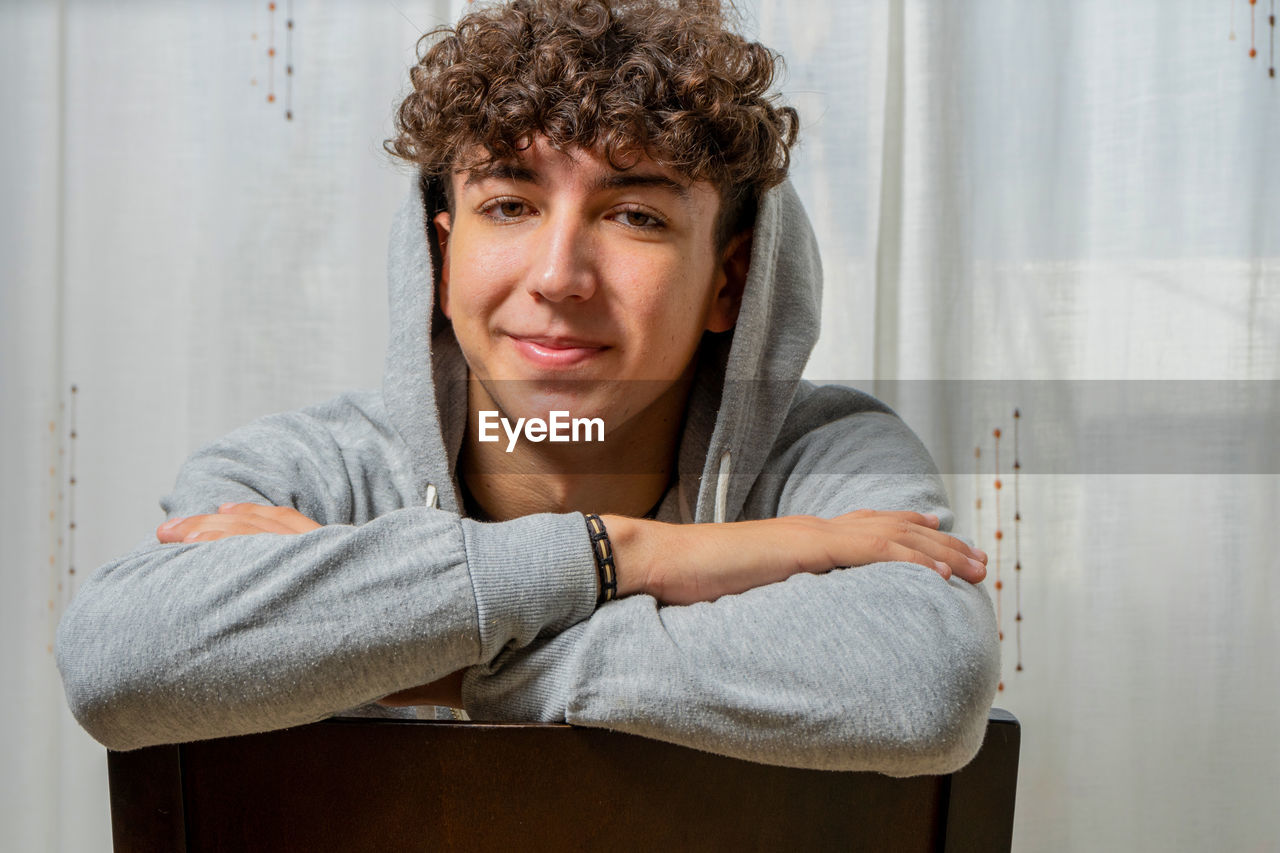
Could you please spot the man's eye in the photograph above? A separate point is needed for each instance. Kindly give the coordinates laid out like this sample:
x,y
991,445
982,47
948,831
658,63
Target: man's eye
x,y
506,209
640,219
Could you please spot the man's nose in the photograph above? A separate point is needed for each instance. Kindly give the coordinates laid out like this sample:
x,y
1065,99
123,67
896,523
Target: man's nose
x,y
565,266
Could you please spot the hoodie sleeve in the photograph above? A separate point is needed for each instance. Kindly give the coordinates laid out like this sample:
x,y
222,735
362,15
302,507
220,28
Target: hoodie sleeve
x,y
178,642
885,667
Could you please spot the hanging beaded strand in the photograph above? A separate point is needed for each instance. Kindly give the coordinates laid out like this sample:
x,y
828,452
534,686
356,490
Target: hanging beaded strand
x,y
271,53
977,495
1017,538
1271,55
1253,8
74,435
288,62
999,536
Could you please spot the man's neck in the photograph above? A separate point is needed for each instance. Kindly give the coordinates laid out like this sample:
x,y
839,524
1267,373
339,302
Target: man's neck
x,y
625,474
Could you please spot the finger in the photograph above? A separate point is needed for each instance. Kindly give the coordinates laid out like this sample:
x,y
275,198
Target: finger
x,y
946,540
207,536
902,554
167,532
268,519
288,518
949,550
219,530
186,529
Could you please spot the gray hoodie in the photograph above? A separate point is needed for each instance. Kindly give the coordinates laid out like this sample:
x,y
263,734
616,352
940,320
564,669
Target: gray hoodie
x,y
884,667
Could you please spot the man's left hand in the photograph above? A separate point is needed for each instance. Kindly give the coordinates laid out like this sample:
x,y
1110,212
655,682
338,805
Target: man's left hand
x,y
235,519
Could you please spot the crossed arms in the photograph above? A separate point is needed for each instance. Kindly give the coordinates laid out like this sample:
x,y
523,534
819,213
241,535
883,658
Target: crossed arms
x,y
252,618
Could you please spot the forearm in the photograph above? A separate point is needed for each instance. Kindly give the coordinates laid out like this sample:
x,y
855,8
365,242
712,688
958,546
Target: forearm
x,y
250,633
885,667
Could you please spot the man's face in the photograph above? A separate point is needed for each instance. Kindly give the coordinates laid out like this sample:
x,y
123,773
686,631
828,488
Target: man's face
x,y
592,285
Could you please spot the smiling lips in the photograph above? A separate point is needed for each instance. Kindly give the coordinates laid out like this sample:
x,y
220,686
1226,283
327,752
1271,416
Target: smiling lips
x,y
554,352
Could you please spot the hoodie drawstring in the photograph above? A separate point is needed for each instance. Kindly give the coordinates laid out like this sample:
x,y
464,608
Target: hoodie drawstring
x,y
722,486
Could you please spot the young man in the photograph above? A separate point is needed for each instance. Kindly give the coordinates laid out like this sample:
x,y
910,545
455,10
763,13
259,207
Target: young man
x,y
601,229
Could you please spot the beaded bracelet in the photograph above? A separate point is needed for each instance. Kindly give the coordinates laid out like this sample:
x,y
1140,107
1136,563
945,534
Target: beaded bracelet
x,y
602,548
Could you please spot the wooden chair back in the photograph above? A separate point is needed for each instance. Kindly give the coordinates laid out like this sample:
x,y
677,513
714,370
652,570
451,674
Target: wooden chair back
x,y
389,785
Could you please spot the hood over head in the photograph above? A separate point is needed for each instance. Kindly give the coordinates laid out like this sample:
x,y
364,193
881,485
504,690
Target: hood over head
x,y
742,390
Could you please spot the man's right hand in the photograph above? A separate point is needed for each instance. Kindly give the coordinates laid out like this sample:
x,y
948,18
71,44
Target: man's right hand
x,y
687,563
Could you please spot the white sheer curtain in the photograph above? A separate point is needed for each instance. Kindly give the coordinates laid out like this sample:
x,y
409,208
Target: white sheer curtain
x,y
1012,199
1071,209
188,259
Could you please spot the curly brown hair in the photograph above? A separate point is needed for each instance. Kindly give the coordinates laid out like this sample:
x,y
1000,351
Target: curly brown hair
x,y
662,78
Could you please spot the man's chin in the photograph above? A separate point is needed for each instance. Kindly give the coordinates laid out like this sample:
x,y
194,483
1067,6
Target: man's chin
x,y
539,398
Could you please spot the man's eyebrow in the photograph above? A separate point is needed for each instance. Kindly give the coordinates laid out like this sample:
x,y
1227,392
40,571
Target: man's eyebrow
x,y
624,180
502,172
619,180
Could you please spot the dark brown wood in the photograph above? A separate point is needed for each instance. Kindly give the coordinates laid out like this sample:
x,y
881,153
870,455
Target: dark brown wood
x,y
378,785
980,805
146,800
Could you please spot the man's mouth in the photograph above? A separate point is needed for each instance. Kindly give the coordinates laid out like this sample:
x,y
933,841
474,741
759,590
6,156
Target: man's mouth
x,y
556,351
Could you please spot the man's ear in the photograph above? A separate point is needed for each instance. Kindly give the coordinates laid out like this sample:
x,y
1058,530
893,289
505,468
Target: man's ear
x,y
443,223
730,281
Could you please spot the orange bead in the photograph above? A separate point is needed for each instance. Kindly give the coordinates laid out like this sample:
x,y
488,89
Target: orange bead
x,y
1000,687
271,99
271,51
1019,667
999,584
1252,53
996,433
271,6
999,485
1002,636
999,534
